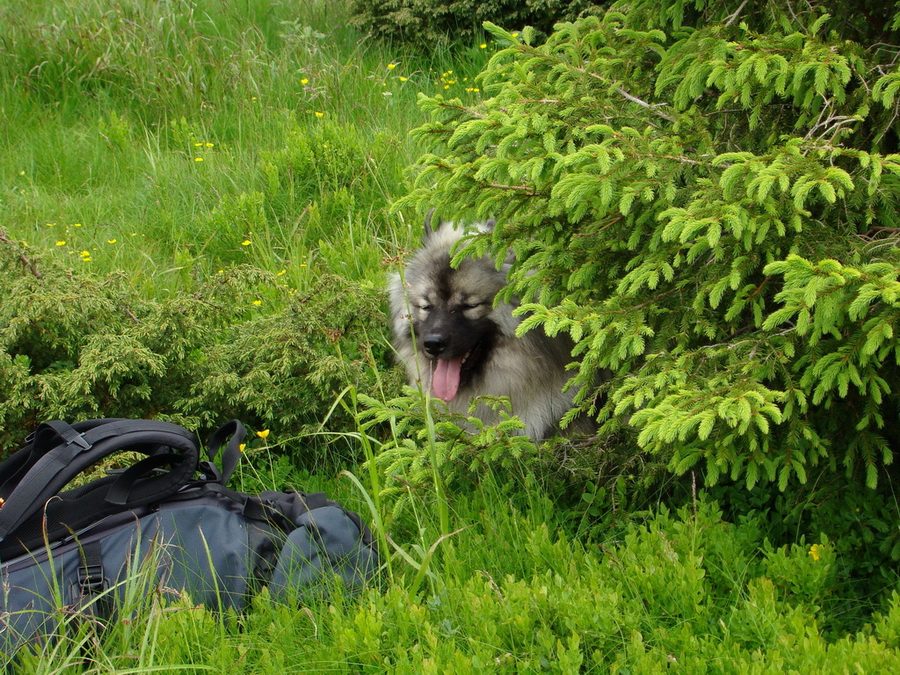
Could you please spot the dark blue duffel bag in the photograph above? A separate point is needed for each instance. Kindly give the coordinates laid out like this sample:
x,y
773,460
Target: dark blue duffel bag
x,y
78,548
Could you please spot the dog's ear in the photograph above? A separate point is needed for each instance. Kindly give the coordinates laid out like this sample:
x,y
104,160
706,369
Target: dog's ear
x,y
429,228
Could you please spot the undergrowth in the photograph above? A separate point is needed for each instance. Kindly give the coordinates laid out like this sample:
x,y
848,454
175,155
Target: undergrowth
x,y
509,592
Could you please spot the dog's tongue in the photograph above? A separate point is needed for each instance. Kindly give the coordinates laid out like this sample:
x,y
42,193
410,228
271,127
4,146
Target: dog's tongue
x,y
446,378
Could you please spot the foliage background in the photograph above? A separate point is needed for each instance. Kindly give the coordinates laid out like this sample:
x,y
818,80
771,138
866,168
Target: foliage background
x,y
199,202
425,24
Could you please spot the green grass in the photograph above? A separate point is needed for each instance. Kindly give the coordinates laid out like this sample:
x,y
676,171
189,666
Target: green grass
x,y
302,128
137,132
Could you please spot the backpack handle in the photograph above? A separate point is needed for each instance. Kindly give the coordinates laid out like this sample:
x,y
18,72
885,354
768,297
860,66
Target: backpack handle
x,y
39,471
235,433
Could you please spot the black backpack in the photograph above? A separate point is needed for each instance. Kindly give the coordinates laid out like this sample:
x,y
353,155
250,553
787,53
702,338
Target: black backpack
x,y
78,548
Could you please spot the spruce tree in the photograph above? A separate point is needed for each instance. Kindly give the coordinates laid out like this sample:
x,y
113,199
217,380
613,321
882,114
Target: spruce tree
x,y
704,195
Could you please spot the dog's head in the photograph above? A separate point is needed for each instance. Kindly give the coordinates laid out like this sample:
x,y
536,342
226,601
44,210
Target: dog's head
x,y
451,310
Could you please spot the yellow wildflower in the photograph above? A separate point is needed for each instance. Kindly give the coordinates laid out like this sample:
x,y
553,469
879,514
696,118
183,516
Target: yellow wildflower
x,y
111,241
483,45
246,242
816,551
61,242
305,80
198,159
242,446
320,114
263,434
391,66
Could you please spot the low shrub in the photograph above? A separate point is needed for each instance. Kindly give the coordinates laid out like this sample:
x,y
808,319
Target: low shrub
x,y
243,345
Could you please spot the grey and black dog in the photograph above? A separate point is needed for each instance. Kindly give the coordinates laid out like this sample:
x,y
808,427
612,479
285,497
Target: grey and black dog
x,y
450,335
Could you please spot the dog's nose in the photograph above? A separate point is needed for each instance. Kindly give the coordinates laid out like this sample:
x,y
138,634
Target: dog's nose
x,y
434,344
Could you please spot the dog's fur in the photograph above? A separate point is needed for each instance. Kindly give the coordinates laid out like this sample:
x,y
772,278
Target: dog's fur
x,y
451,337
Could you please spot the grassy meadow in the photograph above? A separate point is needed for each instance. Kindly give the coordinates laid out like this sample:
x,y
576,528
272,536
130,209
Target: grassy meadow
x,y
207,183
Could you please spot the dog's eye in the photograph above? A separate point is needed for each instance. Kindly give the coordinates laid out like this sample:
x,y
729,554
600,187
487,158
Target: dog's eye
x,y
425,307
471,305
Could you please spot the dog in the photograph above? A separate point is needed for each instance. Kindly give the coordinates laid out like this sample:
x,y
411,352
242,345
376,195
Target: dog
x,y
452,337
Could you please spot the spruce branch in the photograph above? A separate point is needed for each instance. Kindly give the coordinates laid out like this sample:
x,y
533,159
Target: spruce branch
x,y
653,108
524,189
731,19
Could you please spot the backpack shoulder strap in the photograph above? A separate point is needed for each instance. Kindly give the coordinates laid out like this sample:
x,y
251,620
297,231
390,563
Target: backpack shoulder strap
x,y
38,443
58,452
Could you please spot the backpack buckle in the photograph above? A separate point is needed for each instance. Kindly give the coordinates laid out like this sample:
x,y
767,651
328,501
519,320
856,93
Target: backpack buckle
x,y
90,579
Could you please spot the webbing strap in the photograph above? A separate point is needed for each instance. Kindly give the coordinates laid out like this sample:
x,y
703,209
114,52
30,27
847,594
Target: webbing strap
x,y
235,433
91,581
62,429
90,573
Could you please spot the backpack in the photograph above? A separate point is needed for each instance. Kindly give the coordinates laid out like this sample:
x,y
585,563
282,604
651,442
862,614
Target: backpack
x,y
77,548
